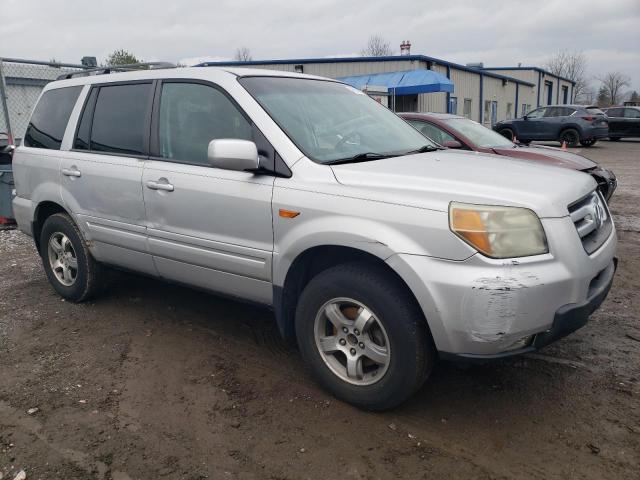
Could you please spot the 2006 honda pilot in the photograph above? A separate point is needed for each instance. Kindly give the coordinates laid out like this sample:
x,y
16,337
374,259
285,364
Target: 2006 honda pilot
x,y
378,250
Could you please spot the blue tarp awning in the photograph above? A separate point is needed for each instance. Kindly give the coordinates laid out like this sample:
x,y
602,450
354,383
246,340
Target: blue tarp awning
x,y
410,82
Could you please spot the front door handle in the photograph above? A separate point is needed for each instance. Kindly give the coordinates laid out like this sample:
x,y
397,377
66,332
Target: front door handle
x,y
71,172
158,185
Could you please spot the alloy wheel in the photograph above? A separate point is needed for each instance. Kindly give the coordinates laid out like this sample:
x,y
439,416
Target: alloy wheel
x,y
62,259
352,341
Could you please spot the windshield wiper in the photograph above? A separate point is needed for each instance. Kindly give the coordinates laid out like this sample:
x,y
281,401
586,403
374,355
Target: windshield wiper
x,y
360,157
423,149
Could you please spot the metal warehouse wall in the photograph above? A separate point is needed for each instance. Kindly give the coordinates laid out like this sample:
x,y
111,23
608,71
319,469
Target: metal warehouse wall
x,y
432,102
535,76
467,86
345,69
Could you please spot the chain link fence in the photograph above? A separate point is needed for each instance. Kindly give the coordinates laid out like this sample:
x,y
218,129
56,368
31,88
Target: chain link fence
x,y
21,82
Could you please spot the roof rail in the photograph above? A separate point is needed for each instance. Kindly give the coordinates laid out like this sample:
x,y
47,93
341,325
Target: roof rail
x,y
117,68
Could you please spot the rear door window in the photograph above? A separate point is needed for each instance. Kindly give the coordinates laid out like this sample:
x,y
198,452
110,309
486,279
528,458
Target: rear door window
x,y
49,120
615,112
631,113
119,119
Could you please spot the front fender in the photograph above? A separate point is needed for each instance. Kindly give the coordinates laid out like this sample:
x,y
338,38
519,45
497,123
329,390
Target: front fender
x,y
381,230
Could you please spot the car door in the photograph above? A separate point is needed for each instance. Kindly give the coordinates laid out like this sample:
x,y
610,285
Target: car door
x,y
207,227
532,127
616,121
102,174
632,117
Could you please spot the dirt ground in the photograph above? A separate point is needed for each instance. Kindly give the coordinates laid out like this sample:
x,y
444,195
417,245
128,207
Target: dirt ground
x,y
157,381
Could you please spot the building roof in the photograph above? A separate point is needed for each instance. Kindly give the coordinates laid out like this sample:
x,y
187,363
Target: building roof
x,y
537,69
409,82
391,58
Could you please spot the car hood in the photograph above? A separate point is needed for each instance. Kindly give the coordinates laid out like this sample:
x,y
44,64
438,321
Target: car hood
x,y
551,155
432,180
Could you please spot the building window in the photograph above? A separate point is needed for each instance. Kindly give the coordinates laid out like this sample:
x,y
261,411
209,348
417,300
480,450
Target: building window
x,y
526,108
453,105
509,109
486,118
298,69
467,108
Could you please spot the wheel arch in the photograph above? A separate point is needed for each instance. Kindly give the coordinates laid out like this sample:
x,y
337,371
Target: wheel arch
x,y
44,210
310,263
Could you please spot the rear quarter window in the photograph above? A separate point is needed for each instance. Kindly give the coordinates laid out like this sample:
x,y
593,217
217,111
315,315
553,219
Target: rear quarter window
x,y
50,117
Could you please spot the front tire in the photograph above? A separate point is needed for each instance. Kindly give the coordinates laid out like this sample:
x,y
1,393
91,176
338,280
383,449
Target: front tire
x,y
69,266
614,139
571,136
507,133
364,336
588,143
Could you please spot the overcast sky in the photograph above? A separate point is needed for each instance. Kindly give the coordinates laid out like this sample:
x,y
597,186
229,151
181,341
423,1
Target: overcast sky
x,y
498,33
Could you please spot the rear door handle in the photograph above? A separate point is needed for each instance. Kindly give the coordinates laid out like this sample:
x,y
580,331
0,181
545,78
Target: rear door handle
x,y
155,185
71,172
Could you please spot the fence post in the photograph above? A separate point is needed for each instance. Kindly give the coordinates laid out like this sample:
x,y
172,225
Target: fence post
x,y
3,100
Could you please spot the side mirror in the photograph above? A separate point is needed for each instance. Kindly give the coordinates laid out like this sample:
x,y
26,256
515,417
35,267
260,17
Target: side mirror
x,y
233,154
525,117
452,144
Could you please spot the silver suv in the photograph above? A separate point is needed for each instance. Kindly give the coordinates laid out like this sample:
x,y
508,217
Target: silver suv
x,y
377,250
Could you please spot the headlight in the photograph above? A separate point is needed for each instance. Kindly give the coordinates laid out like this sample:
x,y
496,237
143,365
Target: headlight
x,y
498,232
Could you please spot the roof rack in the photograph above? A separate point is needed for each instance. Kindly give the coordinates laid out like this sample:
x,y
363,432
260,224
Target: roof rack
x,y
117,68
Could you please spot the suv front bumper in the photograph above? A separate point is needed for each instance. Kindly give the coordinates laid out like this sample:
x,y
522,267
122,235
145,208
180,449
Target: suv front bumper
x,y
567,319
483,308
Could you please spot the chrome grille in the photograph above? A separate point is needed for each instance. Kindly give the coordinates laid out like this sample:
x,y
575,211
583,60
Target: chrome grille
x,y
592,220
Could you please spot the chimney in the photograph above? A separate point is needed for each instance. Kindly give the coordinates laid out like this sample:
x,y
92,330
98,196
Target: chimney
x,y
405,48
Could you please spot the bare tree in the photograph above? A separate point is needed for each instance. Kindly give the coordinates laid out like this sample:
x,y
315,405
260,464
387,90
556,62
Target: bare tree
x,y
612,84
377,46
243,54
573,66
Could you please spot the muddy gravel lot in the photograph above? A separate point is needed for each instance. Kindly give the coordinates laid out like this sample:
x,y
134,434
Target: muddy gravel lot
x,y
158,381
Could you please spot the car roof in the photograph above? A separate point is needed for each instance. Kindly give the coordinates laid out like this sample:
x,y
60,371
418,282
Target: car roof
x,y
196,73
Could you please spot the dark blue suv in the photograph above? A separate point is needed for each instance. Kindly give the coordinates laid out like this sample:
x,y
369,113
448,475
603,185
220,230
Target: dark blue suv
x,y
572,124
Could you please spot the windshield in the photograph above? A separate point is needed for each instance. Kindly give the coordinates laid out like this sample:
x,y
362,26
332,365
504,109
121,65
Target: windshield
x,y
479,135
330,121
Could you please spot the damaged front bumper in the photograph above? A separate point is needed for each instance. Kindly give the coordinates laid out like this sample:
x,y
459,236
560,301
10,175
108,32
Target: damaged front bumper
x,y
482,308
567,319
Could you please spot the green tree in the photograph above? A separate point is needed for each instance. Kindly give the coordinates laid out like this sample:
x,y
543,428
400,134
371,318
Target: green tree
x,y
121,57
603,99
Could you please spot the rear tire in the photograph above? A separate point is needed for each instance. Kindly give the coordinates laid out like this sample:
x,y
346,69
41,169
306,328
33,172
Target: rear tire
x,y
379,366
614,139
69,266
588,143
571,136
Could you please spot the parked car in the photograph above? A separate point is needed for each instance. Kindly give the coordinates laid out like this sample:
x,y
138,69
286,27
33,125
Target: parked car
x,y
573,124
377,250
453,131
623,122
